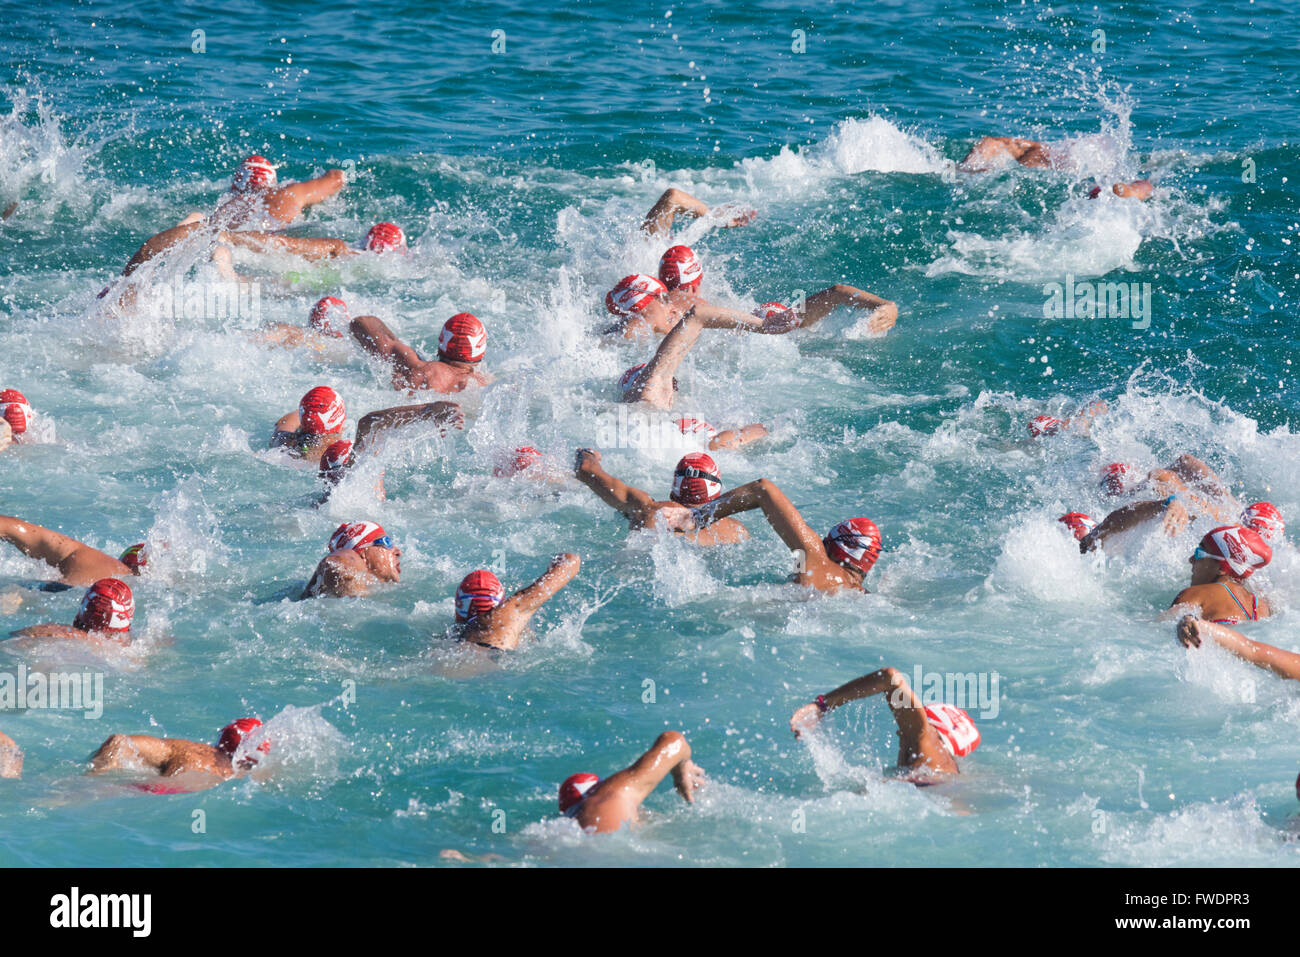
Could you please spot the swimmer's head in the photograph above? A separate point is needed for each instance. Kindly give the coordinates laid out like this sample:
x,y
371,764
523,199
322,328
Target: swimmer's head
x,y
107,606
233,735
1042,425
16,410
574,791
254,173
1238,552
1078,523
463,339
6,434
385,237
679,268
329,316
336,460
321,411
1264,518
629,378
634,293
478,593
517,461
956,730
775,310
1114,478
358,536
135,558
696,480
854,544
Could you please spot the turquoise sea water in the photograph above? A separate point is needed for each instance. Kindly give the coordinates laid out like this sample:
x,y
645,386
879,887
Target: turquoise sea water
x,y
520,177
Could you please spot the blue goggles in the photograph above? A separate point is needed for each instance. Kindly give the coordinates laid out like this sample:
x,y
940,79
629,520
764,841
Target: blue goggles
x,y
385,542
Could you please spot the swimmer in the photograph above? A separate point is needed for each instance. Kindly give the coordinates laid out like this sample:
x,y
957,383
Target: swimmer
x,y
234,755
326,322
106,613
603,805
255,196
76,562
1046,425
461,347
16,413
486,617
1193,631
1187,489
991,152
676,202
642,304
840,560
696,482
340,456
1225,558
317,425
361,554
11,757
930,737
382,238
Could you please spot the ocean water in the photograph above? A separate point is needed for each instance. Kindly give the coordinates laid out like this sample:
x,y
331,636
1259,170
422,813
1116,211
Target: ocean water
x,y
520,177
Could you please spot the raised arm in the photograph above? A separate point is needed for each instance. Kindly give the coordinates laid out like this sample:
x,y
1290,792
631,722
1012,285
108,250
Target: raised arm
x,y
309,192
670,754
77,562
1129,516
677,201
308,247
821,304
777,509
447,414
613,492
655,384
560,572
125,750
1192,631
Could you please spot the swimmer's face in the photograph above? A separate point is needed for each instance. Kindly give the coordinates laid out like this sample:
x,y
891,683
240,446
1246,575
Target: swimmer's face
x,y
385,563
6,434
1204,570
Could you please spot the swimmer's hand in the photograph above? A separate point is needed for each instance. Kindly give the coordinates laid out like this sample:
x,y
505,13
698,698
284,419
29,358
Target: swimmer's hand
x,y
586,460
781,322
731,216
688,777
1189,631
678,518
1176,518
805,719
882,320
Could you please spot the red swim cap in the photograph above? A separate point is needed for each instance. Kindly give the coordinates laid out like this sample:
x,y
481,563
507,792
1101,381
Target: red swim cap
x,y
855,543
336,460
1079,523
479,592
956,730
107,606
463,339
354,536
1044,425
524,456
574,790
1240,551
774,310
232,736
633,294
256,172
1113,478
321,411
1264,518
16,411
384,237
680,268
329,315
696,480
690,426
134,558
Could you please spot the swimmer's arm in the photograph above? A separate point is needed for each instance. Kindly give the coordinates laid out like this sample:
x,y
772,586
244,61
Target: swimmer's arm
x,y
308,247
124,750
666,208
735,438
11,757
670,754
908,709
1130,516
821,304
613,492
655,384
49,631
372,423
777,509
715,317
561,571
312,191
1192,631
